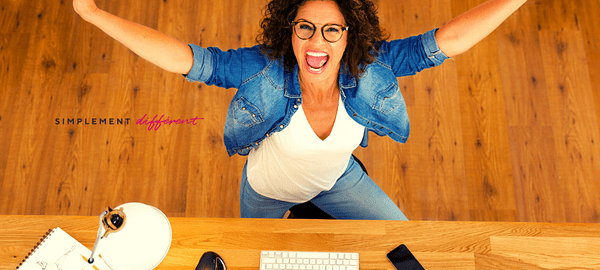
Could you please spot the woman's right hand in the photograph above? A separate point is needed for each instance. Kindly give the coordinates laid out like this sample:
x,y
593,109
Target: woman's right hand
x,y
85,8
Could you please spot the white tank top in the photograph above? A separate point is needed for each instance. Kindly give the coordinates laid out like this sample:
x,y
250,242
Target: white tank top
x,y
295,165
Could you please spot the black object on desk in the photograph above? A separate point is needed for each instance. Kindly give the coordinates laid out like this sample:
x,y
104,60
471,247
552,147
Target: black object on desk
x,y
403,259
211,261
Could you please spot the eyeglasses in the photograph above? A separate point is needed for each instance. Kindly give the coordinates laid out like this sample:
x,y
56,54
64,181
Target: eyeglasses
x,y
331,32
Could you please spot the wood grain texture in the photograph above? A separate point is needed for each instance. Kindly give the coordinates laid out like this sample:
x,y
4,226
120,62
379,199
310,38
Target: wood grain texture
x,y
508,131
436,244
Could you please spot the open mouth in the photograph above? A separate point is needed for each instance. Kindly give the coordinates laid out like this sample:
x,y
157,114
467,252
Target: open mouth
x,y
316,60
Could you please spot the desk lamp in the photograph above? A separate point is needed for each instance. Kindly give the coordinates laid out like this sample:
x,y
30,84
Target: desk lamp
x,y
132,236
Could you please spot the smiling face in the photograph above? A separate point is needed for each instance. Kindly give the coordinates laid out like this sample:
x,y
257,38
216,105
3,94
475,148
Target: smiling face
x,y
317,58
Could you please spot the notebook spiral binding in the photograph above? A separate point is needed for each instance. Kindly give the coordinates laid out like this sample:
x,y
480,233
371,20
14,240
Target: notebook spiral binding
x,y
48,233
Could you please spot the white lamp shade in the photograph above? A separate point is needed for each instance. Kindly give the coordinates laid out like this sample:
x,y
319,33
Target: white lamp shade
x,y
142,243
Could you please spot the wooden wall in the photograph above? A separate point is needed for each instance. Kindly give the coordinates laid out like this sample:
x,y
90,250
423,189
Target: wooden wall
x,y
508,131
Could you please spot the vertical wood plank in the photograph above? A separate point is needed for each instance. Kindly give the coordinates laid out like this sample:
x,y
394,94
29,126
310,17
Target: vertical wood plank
x,y
589,26
538,189
576,131
433,176
485,138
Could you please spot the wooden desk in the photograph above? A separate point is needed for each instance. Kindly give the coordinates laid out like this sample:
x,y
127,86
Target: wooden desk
x,y
437,245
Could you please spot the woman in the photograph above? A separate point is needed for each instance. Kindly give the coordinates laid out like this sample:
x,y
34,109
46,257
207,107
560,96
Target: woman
x,y
307,100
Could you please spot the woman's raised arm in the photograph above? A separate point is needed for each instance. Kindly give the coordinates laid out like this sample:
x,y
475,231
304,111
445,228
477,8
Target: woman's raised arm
x,y
466,30
164,51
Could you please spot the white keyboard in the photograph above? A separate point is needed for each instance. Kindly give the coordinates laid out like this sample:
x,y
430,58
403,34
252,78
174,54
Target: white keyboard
x,y
296,260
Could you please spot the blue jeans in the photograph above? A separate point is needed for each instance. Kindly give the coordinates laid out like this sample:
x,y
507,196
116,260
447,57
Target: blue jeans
x,y
354,196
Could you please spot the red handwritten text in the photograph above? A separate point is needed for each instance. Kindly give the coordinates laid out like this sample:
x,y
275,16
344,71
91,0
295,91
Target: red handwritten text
x,y
155,124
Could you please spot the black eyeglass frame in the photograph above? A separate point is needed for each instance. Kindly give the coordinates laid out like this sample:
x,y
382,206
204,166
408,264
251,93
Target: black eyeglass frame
x,y
343,28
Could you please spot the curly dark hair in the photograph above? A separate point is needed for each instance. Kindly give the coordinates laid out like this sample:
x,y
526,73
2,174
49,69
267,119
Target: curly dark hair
x,y
363,37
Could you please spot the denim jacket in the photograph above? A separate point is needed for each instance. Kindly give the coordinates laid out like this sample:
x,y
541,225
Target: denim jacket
x,y
268,96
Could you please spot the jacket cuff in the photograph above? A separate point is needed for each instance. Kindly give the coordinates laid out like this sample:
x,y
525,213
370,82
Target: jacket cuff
x,y
202,68
431,48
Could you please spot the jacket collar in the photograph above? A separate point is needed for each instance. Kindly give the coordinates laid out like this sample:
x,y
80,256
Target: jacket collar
x,y
292,83
347,80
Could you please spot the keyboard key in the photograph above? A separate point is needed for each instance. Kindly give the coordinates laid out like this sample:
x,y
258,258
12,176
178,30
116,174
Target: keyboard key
x,y
313,255
269,260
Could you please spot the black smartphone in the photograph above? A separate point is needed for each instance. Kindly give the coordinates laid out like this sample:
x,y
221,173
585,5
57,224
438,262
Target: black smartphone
x,y
403,259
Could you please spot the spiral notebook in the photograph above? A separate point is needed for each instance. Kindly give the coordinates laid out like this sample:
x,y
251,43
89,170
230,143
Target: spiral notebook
x,y
58,250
